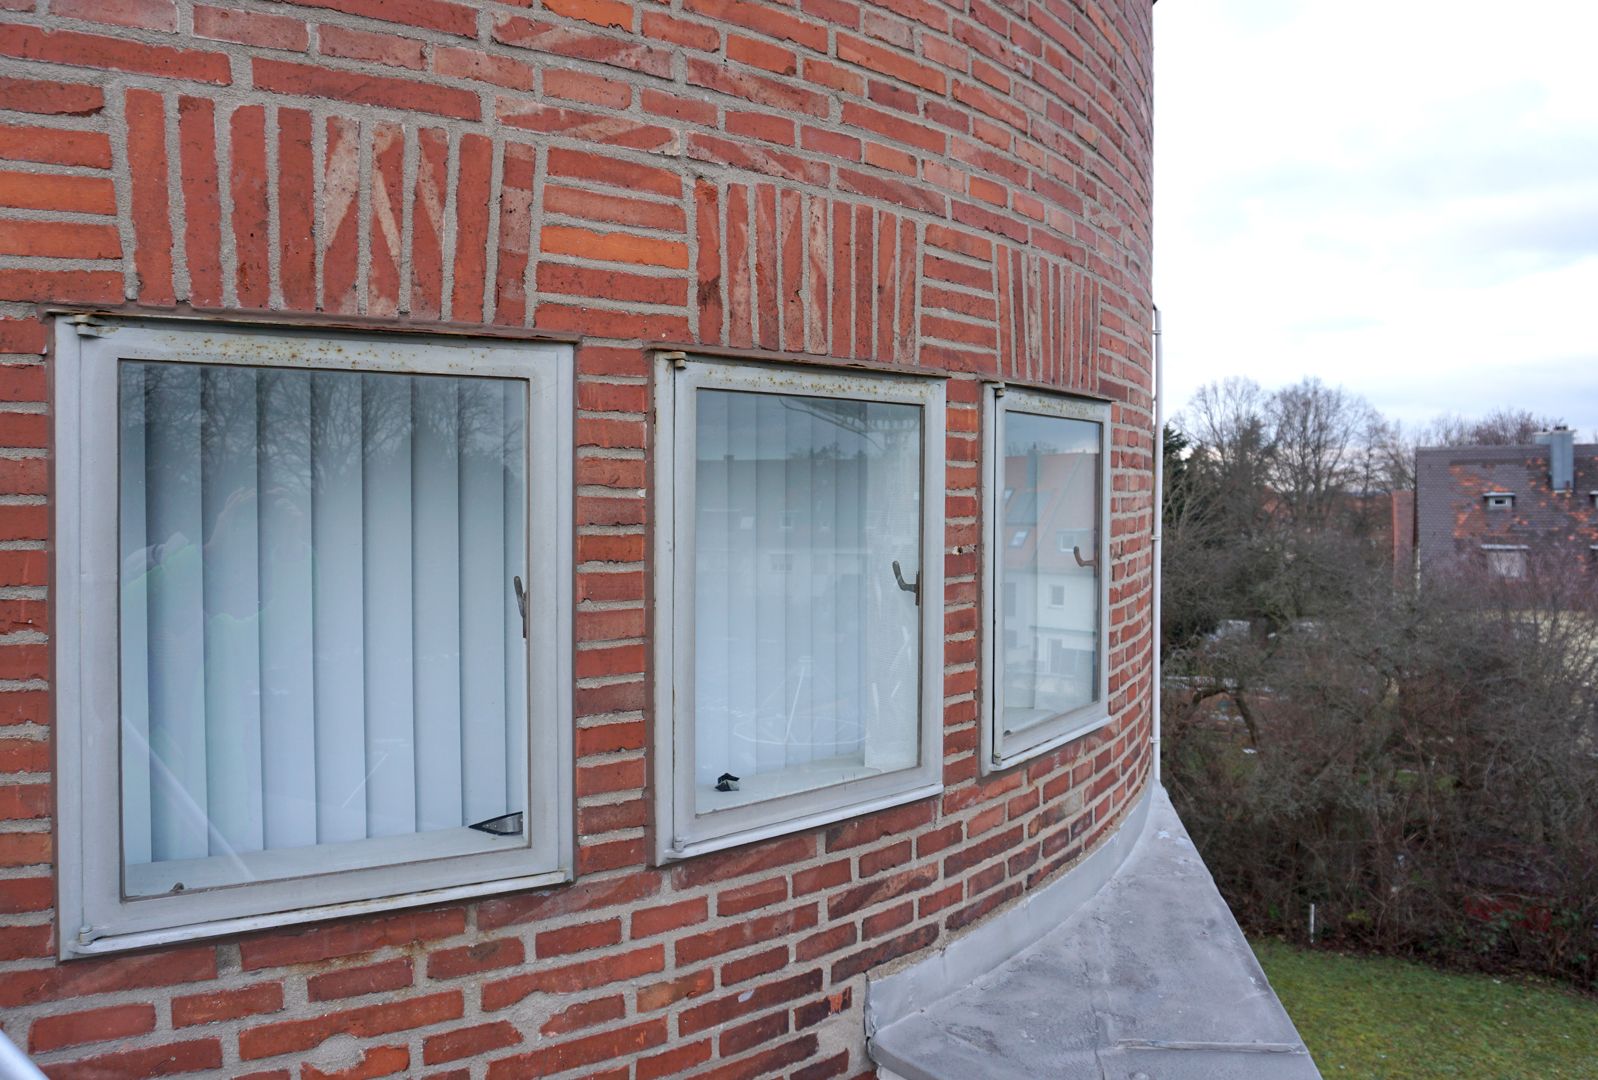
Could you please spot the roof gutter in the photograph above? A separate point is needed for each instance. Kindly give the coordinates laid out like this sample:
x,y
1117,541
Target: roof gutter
x,y
1158,534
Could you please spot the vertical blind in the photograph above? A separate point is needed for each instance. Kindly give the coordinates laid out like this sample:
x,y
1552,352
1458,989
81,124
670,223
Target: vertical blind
x,y
806,649
1050,609
320,639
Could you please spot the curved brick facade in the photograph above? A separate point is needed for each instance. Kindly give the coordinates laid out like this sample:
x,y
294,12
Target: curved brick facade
x,y
905,183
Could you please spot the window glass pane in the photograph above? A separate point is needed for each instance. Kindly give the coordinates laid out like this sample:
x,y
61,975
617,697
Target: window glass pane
x,y
807,651
322,654
1049,612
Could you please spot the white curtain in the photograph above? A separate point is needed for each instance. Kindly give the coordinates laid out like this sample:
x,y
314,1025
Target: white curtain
x,y
806,650
320,640
1048,539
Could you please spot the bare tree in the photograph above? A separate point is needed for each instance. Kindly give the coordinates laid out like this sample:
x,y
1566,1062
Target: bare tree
x,y
1322,437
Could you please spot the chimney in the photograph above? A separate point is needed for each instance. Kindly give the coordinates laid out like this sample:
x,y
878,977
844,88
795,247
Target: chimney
x,y
1561,443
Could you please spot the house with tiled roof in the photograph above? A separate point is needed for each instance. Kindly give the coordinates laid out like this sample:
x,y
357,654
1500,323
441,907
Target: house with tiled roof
x,y
1502,508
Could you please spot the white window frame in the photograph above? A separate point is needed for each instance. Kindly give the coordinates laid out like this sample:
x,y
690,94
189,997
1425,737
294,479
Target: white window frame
x,y
96,918
681,832
999,751
1500,500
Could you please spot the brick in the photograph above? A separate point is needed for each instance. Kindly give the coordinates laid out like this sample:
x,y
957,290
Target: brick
x,y
292,1036
583,937
580,1052
61,286
168,1060
475,154
583,896
341,225
720,1010
585,1014
769,21
675,1061
82,978
252,282
375,1061
309,80
581,165
515,234
469,1042
667,917
607,13
660,995
202,203
474,959
348,938
21,336
43,191
387,199
141,14
612,817
24,802
747,932
353,982
219,1005
457,63
444,15
90,1026
53,146
584,975
45,97
613,247
59,239
565,40
879,954
251,28
427,228
751,967
594,128
26,942
390,49
296,199
74,49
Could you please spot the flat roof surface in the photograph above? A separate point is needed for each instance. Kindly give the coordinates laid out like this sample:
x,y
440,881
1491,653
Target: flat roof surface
x,y
1151,979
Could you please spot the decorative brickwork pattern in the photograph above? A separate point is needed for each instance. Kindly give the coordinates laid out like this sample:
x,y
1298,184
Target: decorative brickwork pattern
x,y
962,187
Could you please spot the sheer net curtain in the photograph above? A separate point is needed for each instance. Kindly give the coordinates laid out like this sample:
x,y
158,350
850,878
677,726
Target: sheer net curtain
x,y
807,652
320,642
1050,607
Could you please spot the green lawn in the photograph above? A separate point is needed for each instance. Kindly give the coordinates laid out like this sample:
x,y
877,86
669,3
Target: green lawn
x,y
1392,1020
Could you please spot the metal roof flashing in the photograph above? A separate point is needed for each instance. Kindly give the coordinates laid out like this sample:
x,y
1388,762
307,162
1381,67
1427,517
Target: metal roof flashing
x,y
1149,974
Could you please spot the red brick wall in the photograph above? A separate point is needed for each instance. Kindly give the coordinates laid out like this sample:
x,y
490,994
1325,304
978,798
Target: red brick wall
x,y
904,182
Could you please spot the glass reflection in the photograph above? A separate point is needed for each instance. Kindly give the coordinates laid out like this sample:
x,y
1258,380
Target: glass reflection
x,y
320,643
1048,540
807,651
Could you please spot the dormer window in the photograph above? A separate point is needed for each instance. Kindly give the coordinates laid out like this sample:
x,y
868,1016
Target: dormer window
x,y
1592,497
1500,500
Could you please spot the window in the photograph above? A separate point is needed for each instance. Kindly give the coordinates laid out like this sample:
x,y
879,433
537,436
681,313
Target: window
x,y
316,650
1500,500
1045,604
804,697
1505,561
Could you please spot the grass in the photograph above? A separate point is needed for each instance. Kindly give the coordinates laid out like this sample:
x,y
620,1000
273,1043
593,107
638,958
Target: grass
x,y
1390,1019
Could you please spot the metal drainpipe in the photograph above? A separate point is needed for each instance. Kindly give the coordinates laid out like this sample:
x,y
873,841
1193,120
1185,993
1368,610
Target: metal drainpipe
x,y
14,1064
1159,525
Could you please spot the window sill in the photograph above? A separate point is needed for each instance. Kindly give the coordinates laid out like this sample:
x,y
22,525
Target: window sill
x,y
1078,725
690,848
179,935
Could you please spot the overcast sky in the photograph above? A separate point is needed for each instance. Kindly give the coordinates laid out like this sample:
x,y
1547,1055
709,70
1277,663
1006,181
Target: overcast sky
x,y
1400,196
